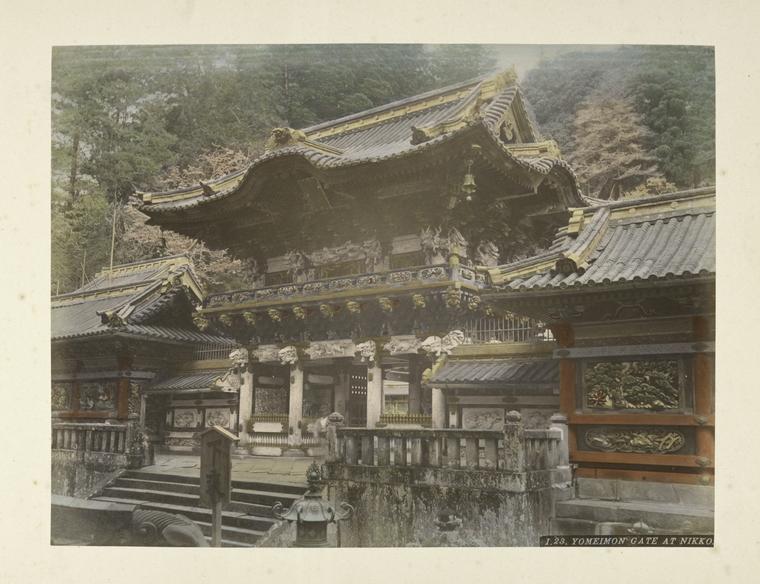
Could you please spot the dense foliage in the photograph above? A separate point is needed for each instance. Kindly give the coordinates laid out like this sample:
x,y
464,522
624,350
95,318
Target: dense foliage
x,y
630,114
127,119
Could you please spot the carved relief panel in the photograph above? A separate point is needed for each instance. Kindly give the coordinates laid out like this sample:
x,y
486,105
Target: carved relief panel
x,y
638,439
652,385
97,396
60,397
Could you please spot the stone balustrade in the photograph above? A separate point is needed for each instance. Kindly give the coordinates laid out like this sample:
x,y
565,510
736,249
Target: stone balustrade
x,y
513,450
91,437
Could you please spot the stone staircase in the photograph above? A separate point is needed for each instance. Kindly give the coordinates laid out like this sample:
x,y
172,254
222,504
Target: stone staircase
x,y
615,507
245,521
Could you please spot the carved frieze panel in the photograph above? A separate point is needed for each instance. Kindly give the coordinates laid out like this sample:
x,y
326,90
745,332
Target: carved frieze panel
x,y
218,417
647,385
436,273
60,396
640,440
97,396
330,349
187,418
482,418
403,344
267,353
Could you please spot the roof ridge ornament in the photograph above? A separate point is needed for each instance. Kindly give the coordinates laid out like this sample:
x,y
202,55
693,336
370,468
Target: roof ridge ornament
x,y
283,137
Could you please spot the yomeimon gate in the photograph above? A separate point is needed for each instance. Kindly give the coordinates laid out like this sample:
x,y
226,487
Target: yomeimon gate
x,y
432,263
372,235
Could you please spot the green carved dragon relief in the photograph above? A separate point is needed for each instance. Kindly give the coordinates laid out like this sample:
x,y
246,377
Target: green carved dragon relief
x,y
645,385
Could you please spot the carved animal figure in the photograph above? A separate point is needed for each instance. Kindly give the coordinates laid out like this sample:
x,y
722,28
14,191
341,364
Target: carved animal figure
x,y
158,528
367,350
288,355
438,346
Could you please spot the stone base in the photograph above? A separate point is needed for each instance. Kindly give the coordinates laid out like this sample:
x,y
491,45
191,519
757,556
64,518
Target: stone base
x,y
296,452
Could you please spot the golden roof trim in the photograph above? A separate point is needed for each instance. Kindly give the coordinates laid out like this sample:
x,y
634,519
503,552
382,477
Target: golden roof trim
x,y
486,90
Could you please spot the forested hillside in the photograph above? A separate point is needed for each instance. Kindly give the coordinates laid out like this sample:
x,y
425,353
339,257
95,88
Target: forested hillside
x,y
127,119
631,114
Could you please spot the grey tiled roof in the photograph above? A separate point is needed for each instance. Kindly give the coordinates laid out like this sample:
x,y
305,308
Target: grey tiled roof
x,y
506,372
677,242
384,140
191,381
136,293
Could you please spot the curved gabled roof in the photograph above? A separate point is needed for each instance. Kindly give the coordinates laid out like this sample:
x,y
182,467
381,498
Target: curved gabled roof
x,y
403,128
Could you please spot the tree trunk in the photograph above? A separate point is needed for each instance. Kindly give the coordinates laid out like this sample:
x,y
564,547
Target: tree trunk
x,y
74,167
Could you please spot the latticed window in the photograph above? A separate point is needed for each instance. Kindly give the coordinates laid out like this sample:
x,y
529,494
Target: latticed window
x,y
208,351
506,329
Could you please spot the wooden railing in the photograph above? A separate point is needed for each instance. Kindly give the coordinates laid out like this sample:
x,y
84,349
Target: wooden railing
x,y
275,418
505,329
514,449
411,419
111,438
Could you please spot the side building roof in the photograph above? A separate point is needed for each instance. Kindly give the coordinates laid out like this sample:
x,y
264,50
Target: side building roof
x,y
129,299
666,237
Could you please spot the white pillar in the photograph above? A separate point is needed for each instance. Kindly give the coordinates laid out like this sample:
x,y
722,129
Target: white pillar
x,y
295,406
245,407
439,411
374,394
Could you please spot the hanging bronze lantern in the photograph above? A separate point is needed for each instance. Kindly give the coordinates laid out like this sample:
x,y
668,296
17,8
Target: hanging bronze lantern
x,y
468,185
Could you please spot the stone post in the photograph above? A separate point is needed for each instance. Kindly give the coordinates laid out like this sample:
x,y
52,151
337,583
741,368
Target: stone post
x,y
374,393
514,443
559,422
245,407
439,411
295,406
334,421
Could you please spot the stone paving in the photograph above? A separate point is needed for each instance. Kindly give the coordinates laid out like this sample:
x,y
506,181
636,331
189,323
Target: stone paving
x,y
287,470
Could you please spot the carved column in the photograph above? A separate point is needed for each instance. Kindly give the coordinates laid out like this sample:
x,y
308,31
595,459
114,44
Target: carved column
x,y
415,384
122,391
295,406
703,401
374,393
245,407
439,411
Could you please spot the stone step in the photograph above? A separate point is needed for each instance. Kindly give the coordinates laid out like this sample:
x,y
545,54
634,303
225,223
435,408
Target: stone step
x,y
625,490
295,489
233,534
231,544
673,516
263,499
197,514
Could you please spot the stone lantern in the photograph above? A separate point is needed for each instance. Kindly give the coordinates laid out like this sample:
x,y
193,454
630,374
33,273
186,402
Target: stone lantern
x,y
311,513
